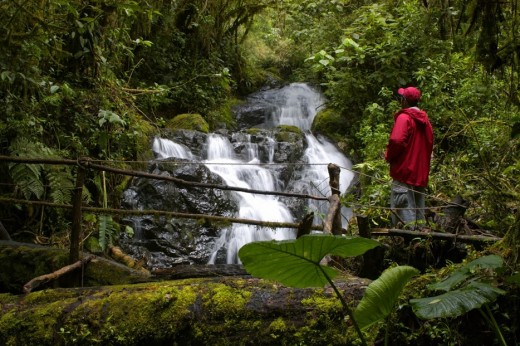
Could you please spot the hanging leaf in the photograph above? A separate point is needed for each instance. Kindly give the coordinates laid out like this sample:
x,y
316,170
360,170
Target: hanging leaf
x,y
296,263
456,303
461,274
381,295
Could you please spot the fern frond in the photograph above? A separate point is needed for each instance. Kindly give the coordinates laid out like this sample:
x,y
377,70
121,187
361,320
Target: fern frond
x,y
107,228
61,183
27,178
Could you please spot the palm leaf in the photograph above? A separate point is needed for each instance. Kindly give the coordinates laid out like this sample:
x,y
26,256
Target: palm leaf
x,y
381,295
457,302
296,263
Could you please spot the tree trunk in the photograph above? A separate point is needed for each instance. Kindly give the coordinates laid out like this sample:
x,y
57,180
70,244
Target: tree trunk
x,y
211,311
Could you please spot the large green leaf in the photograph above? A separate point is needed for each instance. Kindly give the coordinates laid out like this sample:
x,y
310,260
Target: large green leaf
x,y
381,295
456,303
296,263
461,274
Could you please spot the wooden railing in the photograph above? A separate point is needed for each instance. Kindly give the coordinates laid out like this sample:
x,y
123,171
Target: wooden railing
x,y
331,224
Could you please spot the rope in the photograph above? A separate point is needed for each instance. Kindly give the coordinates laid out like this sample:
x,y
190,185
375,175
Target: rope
x,y
269,224
87,163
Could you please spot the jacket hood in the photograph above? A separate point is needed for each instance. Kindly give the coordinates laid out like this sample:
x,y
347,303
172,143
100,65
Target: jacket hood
x,y
416,114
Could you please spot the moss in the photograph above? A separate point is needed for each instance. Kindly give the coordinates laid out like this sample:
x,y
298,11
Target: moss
x,y
191,311
319,302
20,264
330,123
226,300
194,122
288,133
289,128
277,327
253,131
223,117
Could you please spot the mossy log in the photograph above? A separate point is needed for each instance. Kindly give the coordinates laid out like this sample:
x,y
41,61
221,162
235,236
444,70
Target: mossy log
x,y
210,311
238,310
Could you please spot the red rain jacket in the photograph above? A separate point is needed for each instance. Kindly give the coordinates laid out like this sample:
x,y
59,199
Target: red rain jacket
x,y
410,147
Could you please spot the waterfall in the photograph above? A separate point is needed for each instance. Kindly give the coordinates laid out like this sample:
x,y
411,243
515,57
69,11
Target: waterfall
x,y
251,206
295,105
164,148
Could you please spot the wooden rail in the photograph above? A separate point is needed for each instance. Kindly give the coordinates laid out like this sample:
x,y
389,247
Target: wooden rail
x,y
331,224
85,163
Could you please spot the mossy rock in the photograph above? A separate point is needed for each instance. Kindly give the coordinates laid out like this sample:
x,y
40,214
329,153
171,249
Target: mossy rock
x,y
330,124
223,117
193,122
254,131
288,133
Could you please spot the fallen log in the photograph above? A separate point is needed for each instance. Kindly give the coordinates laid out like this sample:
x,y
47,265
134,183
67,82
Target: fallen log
x,y
21,262
43,279
186,271
463,238
210,311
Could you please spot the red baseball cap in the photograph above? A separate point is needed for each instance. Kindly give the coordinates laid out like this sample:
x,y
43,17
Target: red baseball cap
x,y
410,93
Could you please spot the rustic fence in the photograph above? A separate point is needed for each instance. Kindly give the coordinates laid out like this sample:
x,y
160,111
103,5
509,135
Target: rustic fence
x,y
331,224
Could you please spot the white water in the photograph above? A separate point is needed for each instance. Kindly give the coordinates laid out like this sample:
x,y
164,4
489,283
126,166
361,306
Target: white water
x,y
296,105
221,160
164,148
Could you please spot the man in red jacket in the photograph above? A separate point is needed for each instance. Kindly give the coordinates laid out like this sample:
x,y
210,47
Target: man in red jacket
x,y
409,153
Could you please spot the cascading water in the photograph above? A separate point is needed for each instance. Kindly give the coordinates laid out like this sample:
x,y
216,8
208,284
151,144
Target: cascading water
x,y
221,160
294,105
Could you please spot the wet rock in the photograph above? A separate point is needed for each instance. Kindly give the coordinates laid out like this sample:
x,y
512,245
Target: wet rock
x,y
164,241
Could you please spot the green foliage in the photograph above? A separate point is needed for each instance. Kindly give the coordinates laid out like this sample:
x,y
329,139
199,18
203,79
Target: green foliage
x,y
467,288
473,286
31,179
188,122
381,295
389,44
296,263
108,229
456,302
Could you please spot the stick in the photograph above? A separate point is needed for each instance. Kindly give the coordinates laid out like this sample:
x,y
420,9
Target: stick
x,y
472,239
328,224
42,279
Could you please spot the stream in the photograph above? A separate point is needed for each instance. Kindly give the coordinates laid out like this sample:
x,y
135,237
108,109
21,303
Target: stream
x,y
262,155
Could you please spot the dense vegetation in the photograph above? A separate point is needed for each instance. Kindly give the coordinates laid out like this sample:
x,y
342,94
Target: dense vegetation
x,y
98,78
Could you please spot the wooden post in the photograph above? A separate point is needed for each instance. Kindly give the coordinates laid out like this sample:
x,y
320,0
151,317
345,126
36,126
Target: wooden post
x,y
75,234
4,235
305,226
333,220
373,258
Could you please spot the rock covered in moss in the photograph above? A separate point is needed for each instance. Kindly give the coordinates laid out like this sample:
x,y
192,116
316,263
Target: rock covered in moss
x,y
330,123
188,121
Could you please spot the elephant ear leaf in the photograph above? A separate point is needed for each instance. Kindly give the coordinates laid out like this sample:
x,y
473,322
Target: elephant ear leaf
x,y
296,263
462,274
456,302
381,295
